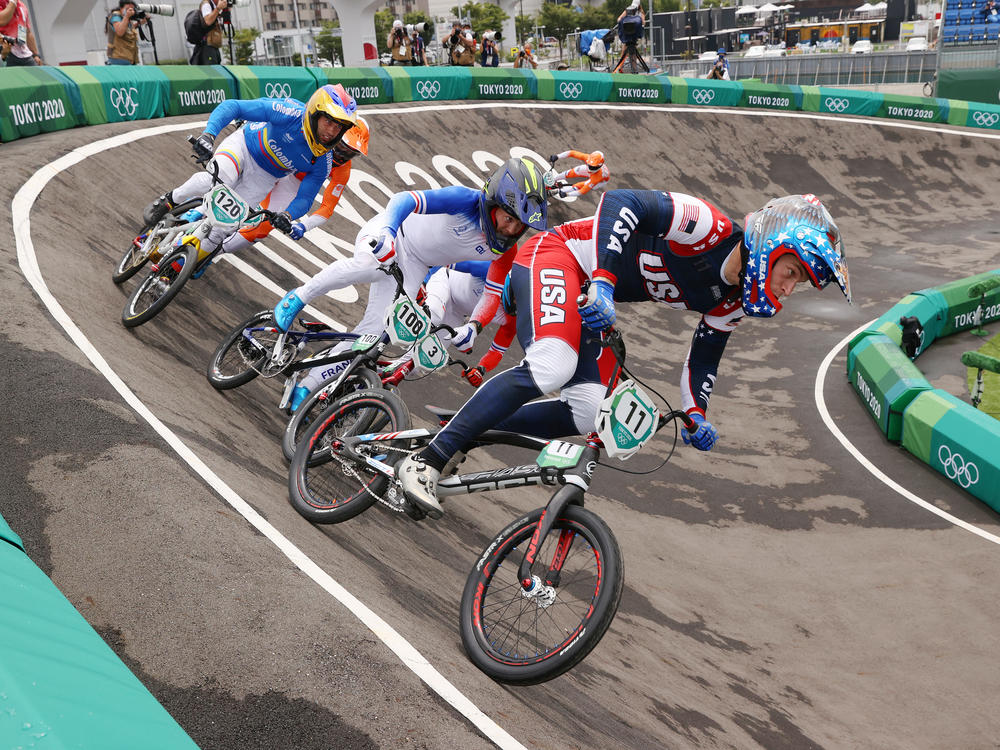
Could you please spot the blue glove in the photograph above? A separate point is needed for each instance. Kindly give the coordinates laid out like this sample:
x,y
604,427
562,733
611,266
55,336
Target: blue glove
x,y
598,310
384,246
704,437
298,229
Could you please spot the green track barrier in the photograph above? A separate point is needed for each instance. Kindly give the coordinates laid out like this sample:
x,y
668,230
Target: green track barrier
x,y
34,100
919,108
763,96
573,85
705,92
840,101
886,380
628,87
421,83
61,686
928,306
195,89
503,83
957,440
138,92
272,81
965,311
37,100
366,85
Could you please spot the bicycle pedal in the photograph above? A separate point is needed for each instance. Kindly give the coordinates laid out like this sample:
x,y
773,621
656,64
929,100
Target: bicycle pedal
x,y
412,510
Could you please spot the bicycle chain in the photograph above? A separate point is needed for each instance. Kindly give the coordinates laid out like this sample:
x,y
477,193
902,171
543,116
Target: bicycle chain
x,y
349,469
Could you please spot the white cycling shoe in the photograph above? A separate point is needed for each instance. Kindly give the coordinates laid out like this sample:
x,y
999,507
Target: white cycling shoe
x,y
419,483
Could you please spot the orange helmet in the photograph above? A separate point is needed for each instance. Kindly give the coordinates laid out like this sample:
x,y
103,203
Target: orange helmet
x,y
354,142
595,161
333,101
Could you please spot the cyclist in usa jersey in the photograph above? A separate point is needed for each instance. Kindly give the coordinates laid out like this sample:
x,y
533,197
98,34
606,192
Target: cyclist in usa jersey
x,y
641,245
426,228
281,137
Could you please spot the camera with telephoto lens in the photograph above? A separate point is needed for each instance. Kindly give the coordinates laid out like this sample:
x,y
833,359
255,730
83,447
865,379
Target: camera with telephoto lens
x,y
159,9
631,30
9,39
493,36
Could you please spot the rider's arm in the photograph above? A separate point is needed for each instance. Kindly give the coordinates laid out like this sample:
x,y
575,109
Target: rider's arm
x,y
488,304
310,185
501,341
478,268
254,110
702,362
622,215
331,196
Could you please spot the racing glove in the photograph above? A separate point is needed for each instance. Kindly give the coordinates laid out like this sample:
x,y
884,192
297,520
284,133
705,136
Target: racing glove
x,y
598,308
298,229
704,437
282,221
465,336
384,246
475,375
203,147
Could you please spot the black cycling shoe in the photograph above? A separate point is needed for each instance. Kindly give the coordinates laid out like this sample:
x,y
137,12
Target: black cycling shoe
x,y
157,209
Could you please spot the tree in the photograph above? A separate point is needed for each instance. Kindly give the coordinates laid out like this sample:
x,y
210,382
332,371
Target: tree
x,y
383,25
481,16
558,21
523,26
418,16
329,46
243,50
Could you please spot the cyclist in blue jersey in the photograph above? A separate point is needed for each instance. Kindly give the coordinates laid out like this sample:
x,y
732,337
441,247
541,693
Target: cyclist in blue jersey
x,y
425,228
281,137
641,245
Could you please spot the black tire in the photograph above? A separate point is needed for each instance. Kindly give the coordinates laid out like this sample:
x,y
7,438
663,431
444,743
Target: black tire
x,y
517,640
134,257
318,400
159,287
325,488
238,359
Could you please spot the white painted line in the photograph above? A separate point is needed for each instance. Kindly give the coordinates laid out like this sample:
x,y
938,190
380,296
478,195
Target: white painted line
x,y
21,217
869,466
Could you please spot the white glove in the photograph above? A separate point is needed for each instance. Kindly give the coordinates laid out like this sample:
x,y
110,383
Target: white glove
x,y
465,337
383,246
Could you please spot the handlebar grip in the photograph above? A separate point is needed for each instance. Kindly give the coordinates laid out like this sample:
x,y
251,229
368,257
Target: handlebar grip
x,y
444,327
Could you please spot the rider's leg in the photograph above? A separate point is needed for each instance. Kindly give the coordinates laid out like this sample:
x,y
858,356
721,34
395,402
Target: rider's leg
x,y
277,200
549,328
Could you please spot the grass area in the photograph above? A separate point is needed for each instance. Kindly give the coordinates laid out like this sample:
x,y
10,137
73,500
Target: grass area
x,y
991,380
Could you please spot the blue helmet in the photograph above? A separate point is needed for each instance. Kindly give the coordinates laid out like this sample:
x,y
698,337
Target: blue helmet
x,y
722,50
516,187
797,224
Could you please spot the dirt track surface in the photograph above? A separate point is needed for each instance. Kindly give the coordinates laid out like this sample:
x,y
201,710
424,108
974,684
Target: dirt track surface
x,y
777,595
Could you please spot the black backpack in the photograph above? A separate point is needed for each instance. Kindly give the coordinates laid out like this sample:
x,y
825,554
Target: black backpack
x,y
194,27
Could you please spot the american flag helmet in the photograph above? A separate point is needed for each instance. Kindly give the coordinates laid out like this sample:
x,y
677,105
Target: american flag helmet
x,y
797,224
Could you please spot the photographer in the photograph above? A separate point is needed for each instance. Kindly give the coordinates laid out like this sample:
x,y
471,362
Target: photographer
x,y
213,14
123,39
489,56
16,26
525,58
720,69
416,45
463,46
399,44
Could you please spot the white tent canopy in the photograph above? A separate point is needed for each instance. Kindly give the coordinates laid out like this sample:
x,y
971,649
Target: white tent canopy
x,y
864,8
768,8
745,9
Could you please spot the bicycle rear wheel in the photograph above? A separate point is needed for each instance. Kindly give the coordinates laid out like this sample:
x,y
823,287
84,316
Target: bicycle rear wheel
x,y
136,255
325,487
242,355
318,400
521,639
160,286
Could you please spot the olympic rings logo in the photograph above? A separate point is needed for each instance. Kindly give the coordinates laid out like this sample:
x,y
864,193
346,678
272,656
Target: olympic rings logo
x,y
122,101
428,89
985,119
570,90
956,468
703,96
836,104
277,90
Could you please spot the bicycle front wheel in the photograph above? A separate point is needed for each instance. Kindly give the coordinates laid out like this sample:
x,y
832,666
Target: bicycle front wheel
x,y
317,402
160,286
326,487
524,639
243,353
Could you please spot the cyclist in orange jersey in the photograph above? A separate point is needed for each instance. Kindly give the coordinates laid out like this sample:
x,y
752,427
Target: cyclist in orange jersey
x,y
593,170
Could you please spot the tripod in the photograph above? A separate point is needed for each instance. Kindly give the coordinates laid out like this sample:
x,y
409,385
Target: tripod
x,y
636,64
152,37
